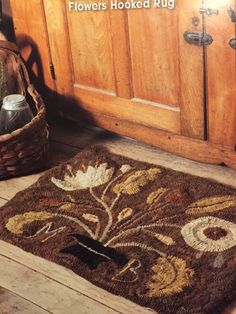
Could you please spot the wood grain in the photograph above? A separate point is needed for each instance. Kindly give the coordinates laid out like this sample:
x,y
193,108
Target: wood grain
x,y
191,73
91,49
11,303
182,146
154,55
31,35
121,53
56,274
221,69
55,14
43,291
137,111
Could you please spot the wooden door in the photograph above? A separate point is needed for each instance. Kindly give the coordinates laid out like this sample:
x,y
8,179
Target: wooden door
x,y
134,73
32,39
133,65
221,75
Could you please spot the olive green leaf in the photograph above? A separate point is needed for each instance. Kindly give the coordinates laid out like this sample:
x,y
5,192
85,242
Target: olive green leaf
x,y
156,195
125,213
16,223
211,204
135,181
165,239
91,218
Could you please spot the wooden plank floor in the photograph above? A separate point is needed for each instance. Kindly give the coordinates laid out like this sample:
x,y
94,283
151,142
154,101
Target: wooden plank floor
x,y
30,284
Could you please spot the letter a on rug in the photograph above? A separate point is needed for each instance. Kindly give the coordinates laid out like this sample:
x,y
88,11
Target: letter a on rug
x,y
163,239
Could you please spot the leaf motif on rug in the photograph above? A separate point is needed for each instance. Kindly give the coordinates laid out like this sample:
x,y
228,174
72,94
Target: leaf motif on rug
x,y
211,205
134,182
17,223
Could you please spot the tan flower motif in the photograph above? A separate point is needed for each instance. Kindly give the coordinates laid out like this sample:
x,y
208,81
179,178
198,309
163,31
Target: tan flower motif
x,y
171,276
94,176
210,234
135,181
16,223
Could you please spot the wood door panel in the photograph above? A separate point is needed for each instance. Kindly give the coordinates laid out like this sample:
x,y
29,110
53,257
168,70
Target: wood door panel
x,y
32,37
91,49
130,64
128,110
221,72
154,47
191,73
55,13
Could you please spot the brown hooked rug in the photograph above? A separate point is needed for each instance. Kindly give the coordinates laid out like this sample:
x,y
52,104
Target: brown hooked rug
x,y
164,239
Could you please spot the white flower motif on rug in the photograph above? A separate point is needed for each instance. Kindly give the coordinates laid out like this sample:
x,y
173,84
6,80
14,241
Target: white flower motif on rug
x,y
94,176
210,234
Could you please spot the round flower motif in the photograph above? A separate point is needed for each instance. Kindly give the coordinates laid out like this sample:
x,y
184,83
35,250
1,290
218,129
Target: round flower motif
x,y
94,176
210,234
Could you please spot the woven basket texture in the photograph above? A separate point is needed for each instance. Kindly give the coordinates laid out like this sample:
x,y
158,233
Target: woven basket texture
x,y
24,150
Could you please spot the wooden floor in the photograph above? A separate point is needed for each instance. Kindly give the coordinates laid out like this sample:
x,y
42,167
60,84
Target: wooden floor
x,y
31,285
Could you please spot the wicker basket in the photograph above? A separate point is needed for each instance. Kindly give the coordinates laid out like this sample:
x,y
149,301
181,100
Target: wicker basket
x,y
23,150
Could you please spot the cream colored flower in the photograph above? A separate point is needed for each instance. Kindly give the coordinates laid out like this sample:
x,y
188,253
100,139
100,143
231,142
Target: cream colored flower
x,y
125,168
210,234
171,276
94,176
16,223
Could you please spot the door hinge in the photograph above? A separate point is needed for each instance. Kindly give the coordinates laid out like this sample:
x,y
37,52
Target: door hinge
x,y
52,70
232,43
198,38
232,14
209,11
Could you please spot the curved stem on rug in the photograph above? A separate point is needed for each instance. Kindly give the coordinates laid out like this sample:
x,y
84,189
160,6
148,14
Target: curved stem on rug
x,y
109,185
100,201
140,245
110,221
108,211
80,223
133,230
140,216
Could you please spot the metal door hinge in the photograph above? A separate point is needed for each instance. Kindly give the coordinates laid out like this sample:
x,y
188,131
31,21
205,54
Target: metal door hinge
x,y
232,14
232,43
52,70
209,11
198,38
